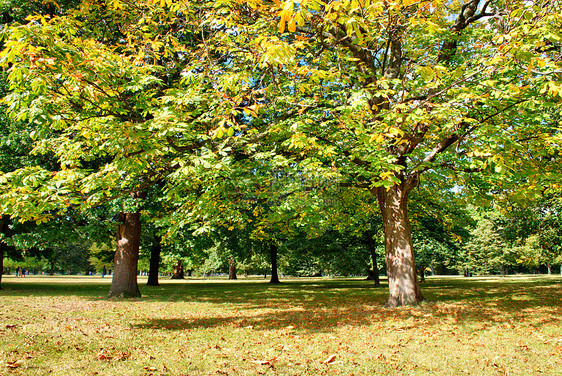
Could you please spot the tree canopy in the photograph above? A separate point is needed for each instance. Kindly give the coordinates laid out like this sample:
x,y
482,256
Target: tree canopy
x,y
376,95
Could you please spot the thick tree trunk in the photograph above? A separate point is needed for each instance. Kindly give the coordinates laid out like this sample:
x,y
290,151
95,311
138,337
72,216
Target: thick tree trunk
x,y
399,252
124,283
154,262
372,250
273,254
549,269
232,269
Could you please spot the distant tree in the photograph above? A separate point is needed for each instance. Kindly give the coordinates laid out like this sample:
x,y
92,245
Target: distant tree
x,y
487,251
101,256
534,227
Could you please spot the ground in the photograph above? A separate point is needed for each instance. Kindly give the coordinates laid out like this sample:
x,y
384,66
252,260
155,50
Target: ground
x,y
467,326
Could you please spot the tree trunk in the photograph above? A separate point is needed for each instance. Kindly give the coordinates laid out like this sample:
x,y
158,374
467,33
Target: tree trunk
x,y
422,275
178,271
232,269
549,268
52,262
124,283
273,254
3,228
154,262
1,260
399,252
372,250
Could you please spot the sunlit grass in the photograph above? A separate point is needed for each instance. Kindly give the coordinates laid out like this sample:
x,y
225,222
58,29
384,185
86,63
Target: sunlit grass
x,y
468,326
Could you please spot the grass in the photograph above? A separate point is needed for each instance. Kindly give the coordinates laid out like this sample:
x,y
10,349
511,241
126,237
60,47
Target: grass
x,y
468,326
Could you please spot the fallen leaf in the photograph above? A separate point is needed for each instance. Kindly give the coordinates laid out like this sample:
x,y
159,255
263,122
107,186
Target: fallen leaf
x,y
121,355
13,365
112,355
331,359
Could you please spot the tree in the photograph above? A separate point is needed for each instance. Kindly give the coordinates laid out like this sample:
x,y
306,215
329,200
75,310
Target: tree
x,y
386,91
487,251
14,138
120,95
533,227
155,252
101,257
3,231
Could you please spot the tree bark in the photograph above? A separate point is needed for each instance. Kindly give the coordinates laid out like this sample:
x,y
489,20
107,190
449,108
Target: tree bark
x,y
154,262
399,252
124,283
372,250
273,254
549,269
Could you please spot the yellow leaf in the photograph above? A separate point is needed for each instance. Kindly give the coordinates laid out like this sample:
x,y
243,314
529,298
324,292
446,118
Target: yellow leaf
x,y
282,25
292,25
541,63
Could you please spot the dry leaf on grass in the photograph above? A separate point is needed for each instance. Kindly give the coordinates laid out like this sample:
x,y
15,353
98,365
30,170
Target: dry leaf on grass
x,y
112,355
13,365
331,359
260,362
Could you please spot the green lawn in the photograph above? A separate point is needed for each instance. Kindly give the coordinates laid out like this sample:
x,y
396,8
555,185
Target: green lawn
x,y
468,326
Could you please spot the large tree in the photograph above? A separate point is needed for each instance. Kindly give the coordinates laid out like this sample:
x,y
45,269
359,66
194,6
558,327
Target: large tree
x,y
385,91
126,96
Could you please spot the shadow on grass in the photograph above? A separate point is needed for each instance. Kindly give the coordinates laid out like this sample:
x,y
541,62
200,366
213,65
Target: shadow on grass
x,y
325,305
322,305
